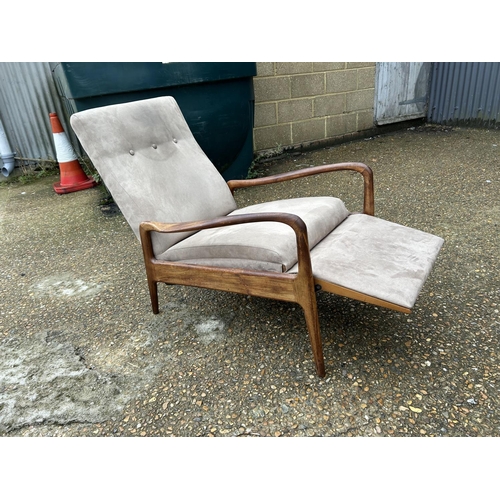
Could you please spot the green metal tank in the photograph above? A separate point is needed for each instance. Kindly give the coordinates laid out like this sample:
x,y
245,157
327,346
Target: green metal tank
x,y
216,99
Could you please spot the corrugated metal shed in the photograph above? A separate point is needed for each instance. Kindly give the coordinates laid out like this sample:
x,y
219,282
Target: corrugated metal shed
x,y
465,93
27,96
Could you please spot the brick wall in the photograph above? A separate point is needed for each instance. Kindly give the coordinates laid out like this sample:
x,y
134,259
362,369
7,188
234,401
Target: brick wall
x,y
297,104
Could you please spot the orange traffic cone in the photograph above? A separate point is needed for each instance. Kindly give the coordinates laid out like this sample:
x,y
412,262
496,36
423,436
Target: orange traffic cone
x,y
73,178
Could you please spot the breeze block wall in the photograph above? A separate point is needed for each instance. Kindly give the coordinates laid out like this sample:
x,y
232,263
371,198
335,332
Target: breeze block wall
x,y
307,103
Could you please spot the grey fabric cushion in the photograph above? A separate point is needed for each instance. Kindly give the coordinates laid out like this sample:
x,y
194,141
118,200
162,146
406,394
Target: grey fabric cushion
x,y
376,257
260,245
152,165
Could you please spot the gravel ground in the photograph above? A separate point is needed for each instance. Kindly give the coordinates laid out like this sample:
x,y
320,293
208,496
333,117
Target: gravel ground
x,y
83,355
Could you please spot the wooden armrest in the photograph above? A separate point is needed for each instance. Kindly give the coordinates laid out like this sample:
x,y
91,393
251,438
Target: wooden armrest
x,y
364,170
294,221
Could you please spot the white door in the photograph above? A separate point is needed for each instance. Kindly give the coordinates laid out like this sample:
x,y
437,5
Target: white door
x,y
401,91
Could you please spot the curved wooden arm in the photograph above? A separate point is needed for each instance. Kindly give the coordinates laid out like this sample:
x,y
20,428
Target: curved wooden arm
x,y
364,170
298,288
294,221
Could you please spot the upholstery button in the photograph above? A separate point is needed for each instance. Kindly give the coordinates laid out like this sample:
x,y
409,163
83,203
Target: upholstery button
x,y
154,146
175,140
132,152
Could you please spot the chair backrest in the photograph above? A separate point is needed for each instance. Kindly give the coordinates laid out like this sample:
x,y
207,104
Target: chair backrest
x,y
152,165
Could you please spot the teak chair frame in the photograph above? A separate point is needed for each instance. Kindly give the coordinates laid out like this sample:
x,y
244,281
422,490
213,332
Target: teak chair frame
x,y
299,288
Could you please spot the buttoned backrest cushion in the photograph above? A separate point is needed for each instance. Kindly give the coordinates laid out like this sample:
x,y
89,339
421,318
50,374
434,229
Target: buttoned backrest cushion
x,y
152,165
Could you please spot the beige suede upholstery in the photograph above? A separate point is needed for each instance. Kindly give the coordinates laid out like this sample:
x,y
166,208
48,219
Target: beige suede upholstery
x,y
262,246
152,165
155,171
376,257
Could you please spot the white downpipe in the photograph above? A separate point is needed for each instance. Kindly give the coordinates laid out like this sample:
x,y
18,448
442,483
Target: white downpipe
x,y
6,154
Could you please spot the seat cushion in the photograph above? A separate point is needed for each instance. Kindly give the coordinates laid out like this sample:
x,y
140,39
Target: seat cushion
x,y
267,246
377,258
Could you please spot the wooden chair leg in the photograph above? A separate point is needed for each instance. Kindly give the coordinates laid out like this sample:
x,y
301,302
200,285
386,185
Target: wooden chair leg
x,y
310,308
153,293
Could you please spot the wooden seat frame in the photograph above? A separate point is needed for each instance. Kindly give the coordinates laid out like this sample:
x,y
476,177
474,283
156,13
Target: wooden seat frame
x,y
299,288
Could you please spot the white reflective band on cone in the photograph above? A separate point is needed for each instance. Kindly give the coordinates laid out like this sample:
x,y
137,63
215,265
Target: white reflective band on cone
x,y
64,149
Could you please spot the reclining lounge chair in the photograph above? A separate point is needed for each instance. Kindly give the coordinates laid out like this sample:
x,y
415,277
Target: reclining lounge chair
x,y
192,233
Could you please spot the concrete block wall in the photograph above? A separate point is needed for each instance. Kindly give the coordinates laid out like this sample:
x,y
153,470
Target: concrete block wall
x,y
299,104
